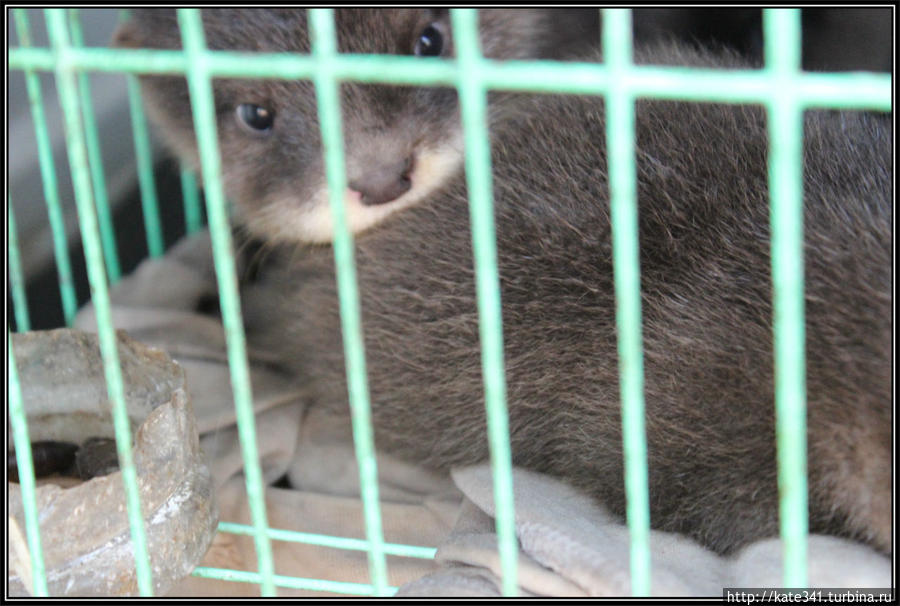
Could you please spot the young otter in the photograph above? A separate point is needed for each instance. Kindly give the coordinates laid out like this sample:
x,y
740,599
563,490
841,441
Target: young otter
x,y
706,288
401,143
706,292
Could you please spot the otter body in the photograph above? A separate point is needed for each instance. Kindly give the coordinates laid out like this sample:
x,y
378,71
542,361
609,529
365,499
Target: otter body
x,y
706,304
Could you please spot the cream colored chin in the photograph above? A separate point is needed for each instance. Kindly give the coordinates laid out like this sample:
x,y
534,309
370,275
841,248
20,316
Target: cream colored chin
x,y
283,221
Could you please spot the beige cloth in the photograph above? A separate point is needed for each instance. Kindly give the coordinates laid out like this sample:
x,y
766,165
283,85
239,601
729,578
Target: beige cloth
x,y
155,305
568,544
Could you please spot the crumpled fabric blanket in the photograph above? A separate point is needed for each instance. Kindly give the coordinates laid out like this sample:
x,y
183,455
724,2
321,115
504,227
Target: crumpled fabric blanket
x,y
157,305
569,546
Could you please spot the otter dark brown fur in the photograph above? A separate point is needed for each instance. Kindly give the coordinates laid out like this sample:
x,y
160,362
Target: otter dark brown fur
x,y
706,292
706,289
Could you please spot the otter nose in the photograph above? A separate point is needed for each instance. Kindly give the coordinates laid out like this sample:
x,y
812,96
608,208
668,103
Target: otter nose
x,y
384,183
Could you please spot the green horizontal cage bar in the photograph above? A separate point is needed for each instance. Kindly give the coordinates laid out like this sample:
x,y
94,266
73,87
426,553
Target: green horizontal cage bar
x,y
780,86
408,551
242,576
846,90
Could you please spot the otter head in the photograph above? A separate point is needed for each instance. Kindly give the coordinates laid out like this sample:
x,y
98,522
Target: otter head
x,y
401,143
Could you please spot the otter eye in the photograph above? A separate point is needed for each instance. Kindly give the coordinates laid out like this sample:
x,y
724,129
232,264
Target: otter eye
x,y
430,43
255,118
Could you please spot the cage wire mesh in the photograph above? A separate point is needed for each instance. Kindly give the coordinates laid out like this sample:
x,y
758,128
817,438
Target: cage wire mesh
x,y
780,86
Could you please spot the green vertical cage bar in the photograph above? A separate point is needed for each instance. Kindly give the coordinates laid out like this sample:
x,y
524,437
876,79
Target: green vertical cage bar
x,y
473,108
782,55
22,443
68,97
48,178
16,279
621,157
193,219
200,85
95,160
144,157
324,49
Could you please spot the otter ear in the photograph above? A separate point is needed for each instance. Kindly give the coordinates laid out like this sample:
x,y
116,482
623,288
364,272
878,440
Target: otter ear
x,y
149,28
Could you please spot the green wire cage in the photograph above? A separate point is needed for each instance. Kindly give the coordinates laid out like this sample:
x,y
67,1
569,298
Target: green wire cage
x,y
781,87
